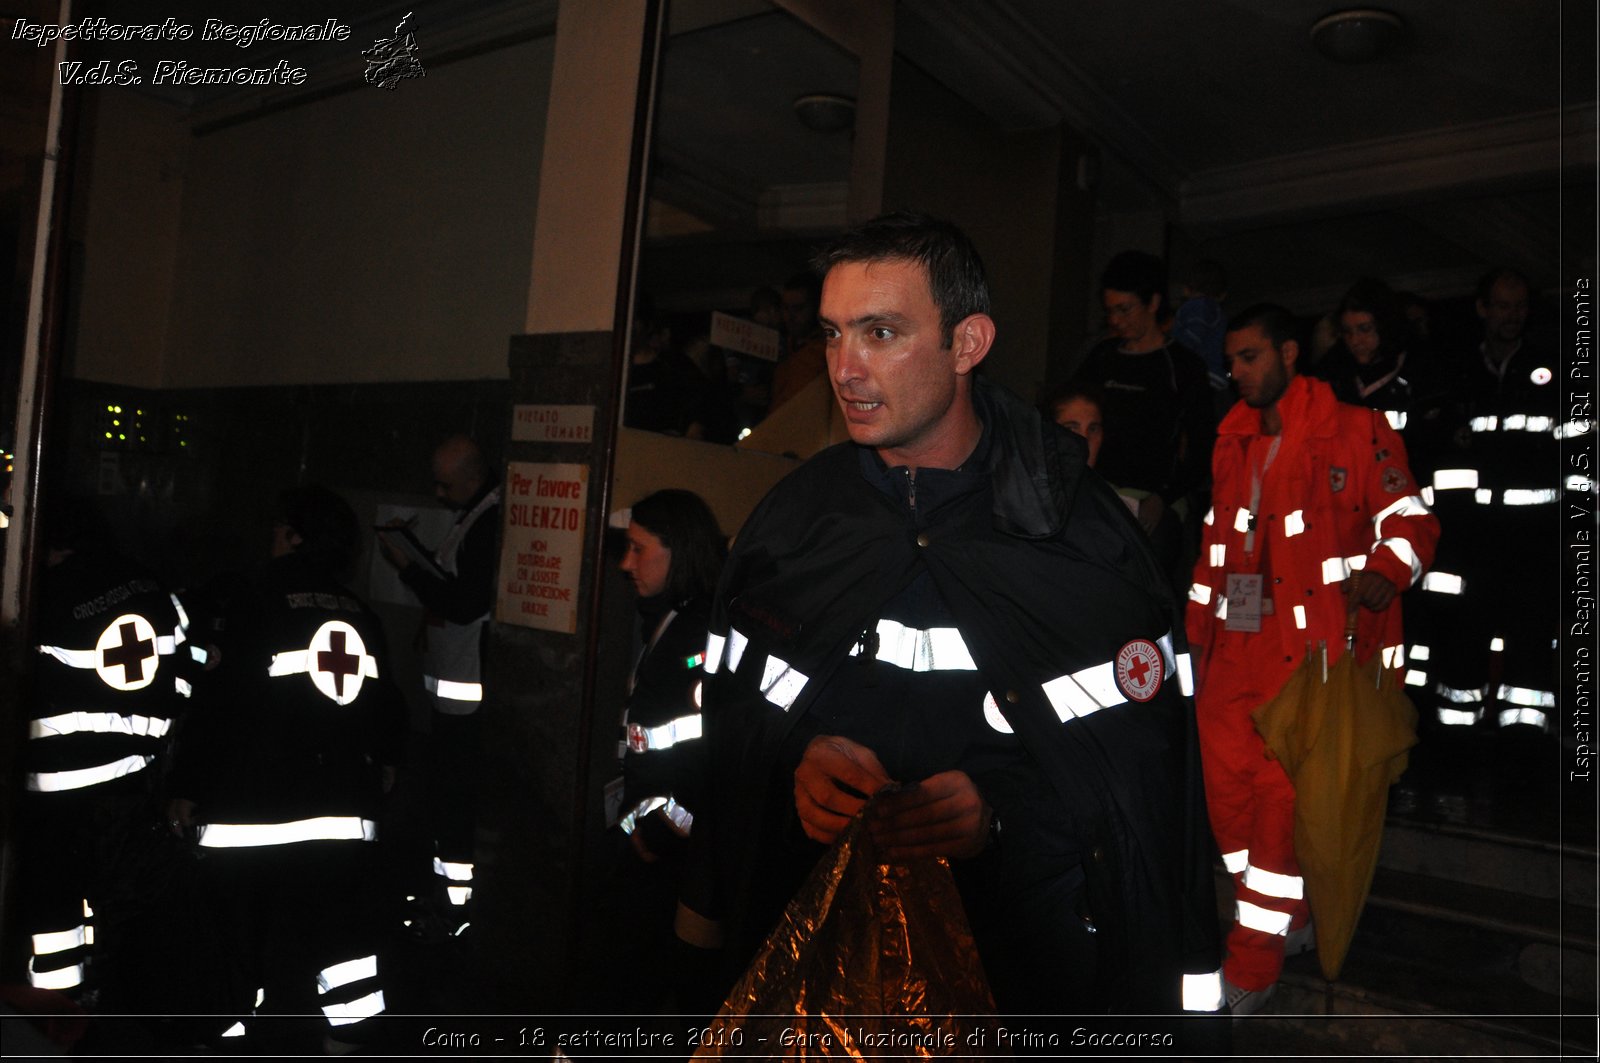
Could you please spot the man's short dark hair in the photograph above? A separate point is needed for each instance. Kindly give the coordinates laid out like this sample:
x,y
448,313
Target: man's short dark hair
x,y
1138,272
955,272
330,534
1487,282
686,526
1275,322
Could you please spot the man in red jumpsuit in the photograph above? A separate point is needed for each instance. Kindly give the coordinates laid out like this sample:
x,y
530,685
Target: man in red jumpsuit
x,y
1307,490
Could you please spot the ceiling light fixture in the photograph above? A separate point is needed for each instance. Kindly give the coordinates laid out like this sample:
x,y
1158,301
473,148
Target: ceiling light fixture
x,y
824,112
1359,34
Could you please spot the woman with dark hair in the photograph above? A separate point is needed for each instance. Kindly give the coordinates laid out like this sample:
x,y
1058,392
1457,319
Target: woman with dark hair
x,y
1369,365
674,556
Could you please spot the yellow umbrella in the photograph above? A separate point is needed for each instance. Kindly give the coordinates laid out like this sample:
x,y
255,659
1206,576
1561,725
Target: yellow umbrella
x,y
1341,733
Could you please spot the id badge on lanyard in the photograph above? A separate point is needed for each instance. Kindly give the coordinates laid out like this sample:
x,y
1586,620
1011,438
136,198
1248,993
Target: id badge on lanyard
x,y
1245,590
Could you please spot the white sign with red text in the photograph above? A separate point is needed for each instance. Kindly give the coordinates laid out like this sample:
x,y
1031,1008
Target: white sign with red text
x,y
746,337
552,424
541,555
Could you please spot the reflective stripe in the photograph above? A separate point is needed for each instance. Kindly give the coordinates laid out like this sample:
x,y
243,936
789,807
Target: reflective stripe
x,y
356,1010
321,828
1402,549
341,974
1427,495
1497,645
1520,496
1199,593
458,895
1294,523
1572,429
1444,583
236,1030
1236,861
1540,424
1460,695
198,653
1186,675
1415,678
181,685
183,615
1300,617
1454,479
643,739
1420,652
679,818
1409,506
1483,496
1255,917
1396,419
1335,569
1578,482
73,658
1540,699
939,649
59,941
736,644
1514,422
1272,884
781,684
296,662
455,871
54,781
1394,656
98,723
1211,516
60,978
1202,992
1222,607
1531,717
1484,424
1460,717
714,647
1241,520
1219,554
449,689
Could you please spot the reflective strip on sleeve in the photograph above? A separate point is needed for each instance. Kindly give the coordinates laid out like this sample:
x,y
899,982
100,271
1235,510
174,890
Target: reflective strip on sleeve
x,y
714,646
1497,645
781,684
1241,520
940,649
1255,917
182,687
458,895
1202,992
1084,692
1519,496
53,941
1300,617
1531,717
1484,424
1219,554
1454,479
1294,523
1334,570
1539,699
1427,495
736,644
680,819
1443,583
1394,656
1540,424
1572,429
1483,496
341,974
321,828
1186,675
1460,695
1200,594
1273,884
198,653
73,658
1459,717
1222,607
1211,516
56,781
183,614
1236,861
60,978
451,690
98,723
1415,678
1396,419
1403,549
1420,652
454,870
355,1010
665,736
1409,506
236,1030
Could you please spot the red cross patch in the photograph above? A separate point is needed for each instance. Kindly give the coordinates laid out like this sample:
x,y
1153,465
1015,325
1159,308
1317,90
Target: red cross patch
x,y
1394,481
1139,670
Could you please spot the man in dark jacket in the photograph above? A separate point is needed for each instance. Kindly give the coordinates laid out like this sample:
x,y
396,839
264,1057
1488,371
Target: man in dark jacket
x,y
951,612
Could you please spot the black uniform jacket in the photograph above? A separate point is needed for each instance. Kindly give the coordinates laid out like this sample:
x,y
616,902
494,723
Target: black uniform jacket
x,y
1052,576
666,690
300,714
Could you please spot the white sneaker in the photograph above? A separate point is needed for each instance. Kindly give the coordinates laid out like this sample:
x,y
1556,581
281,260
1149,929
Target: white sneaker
x,y
1246,1001
1302,940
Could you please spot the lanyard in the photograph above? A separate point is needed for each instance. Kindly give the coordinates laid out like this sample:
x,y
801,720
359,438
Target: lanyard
x,y
1256,475
661,629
